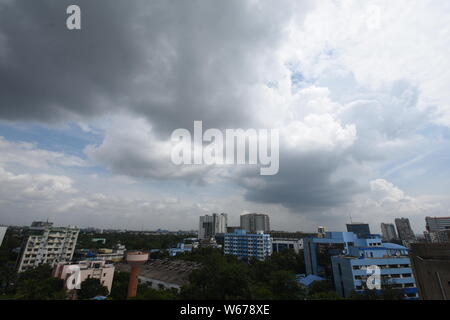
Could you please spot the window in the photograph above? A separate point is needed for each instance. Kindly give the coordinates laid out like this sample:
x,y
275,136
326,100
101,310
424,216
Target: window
x,y
407,275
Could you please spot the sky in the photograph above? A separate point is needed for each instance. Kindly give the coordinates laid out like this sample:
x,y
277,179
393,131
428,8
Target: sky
x,y
357,89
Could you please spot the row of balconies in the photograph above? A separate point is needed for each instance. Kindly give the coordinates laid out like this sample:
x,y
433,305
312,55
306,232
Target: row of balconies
x,y
387,266
386,276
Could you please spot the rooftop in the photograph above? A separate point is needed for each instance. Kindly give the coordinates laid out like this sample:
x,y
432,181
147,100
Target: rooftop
x,y
165,270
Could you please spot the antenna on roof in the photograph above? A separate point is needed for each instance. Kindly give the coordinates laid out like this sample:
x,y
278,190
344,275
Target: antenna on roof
x,y
351,222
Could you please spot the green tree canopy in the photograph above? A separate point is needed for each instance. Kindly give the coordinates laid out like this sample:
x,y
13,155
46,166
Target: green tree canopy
x,y
39,284
91,288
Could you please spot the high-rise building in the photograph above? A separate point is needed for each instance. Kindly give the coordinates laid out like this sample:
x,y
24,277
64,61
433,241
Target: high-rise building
x,y
353,270
361,230
254,222
439,236
388,231
46,244
209,226
404,230
2,234
434,224
437,229
431,266
248,245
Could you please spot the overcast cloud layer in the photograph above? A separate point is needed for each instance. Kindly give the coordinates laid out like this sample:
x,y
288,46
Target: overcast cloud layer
x,y
358,90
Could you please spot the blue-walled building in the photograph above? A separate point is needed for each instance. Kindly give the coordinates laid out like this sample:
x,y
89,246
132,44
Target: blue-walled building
x,y
248,245
343,258
350,270
334,243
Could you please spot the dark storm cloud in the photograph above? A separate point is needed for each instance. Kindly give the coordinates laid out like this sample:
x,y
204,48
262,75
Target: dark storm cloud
x,y
306,182
172,61
50,73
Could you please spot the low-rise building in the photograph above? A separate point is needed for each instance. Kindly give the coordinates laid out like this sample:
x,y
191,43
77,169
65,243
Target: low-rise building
x,y
180,248
248,245
88,269
280,244
164,273
306,281
106,254
99,240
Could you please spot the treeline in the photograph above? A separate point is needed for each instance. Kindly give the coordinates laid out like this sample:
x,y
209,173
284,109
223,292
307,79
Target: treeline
x,y
225,277
132,241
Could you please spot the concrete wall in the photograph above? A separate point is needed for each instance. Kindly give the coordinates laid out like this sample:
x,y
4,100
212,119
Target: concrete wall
x,y
431,266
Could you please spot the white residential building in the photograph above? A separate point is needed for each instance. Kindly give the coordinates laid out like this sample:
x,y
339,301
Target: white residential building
x,y
48,245
254,222
280,244
2,234
209,226
88,269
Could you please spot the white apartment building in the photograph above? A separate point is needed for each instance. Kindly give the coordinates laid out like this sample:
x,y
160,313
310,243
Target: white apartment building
x,y
280,244
209,226
48,245
254,222
97,269
2,234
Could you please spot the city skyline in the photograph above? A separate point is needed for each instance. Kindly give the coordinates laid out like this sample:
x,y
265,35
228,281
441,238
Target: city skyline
x,y
86,115
418,233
